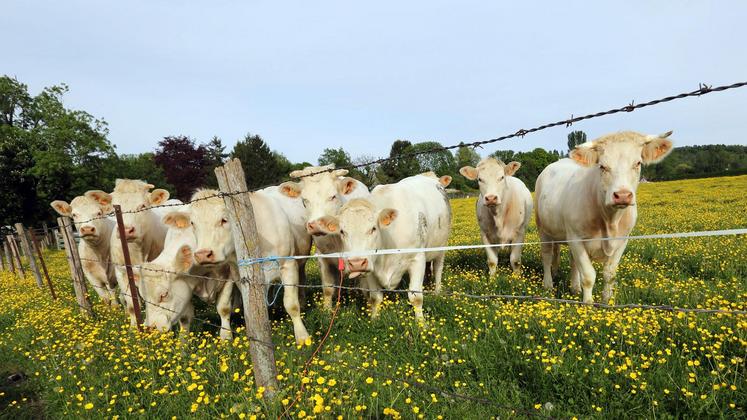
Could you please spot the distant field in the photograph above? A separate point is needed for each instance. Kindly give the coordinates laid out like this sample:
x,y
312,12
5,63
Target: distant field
x,y
475,358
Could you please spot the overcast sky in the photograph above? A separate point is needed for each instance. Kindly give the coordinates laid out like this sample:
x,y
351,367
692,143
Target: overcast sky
x,y
309,75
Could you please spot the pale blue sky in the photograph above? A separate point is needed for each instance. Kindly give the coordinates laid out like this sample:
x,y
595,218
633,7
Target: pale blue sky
x,y
309,75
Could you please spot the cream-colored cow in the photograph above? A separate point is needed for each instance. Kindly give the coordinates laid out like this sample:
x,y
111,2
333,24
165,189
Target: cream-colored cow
x,y
322,194
503,208
216,249
591,195
95,231
144,231
413,213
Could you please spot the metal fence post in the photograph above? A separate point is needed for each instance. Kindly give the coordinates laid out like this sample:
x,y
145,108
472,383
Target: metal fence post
x,y
134,293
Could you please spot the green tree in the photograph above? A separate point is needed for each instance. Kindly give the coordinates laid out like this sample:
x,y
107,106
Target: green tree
x,y
402,165
260,164
532,163
575,138
215,155
61,151
339,157
134,166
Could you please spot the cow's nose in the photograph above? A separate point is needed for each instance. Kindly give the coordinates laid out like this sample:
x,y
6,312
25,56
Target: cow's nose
x,y
358,264
622,197
87,230
205,255
491,199
129,232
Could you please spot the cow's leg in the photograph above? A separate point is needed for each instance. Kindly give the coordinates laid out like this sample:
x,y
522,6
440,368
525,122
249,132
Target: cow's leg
x,y
416,272
302,280
515,257
375,295
224,305
585,269
328,273
185,319
547,257
438,270
492,253
555,259
610,270
289,277
575,277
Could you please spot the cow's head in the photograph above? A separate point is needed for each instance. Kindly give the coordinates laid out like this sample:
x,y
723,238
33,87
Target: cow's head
x,y
491,175
89,216
212,230
164,293
322,194
360,227
617,158
135,198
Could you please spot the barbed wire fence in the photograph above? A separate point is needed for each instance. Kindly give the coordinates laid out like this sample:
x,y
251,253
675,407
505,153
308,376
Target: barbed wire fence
x,y
703,89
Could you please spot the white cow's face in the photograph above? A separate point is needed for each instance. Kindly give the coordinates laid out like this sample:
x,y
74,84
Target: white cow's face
x,y
617,158
322,194
88,216
212,230
135,198
360,227
491,177
163,294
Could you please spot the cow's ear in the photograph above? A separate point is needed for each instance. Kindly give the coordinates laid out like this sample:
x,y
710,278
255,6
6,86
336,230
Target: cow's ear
x,y
656,148
445,180
183,259
346,185
298,173
177,219
469,172
511,168
340,172
158,196
329,225
585,155
100,197
386,217
290,189
62,207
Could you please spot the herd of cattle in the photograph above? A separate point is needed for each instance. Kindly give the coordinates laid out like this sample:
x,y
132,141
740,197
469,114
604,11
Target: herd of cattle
x,y
186,250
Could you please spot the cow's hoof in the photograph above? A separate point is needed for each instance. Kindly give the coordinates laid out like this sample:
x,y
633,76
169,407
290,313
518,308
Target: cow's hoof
x,y
226,335
547,286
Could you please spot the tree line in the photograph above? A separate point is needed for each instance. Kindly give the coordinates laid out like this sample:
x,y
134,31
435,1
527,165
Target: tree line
x,y
48,152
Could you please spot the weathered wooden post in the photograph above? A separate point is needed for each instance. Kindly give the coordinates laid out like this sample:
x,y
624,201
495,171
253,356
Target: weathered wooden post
x,y
2,258
251,285
134,293
76,271
9,256
57,239
16,254
36,246
29,254
47,236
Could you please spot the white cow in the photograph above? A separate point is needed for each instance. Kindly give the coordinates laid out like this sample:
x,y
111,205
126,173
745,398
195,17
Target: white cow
x,y
94,245
591,195
144,231
503,208
215,249
166,291
413,213
323,194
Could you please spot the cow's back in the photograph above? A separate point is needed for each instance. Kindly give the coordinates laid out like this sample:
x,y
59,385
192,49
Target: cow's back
x,y
558,191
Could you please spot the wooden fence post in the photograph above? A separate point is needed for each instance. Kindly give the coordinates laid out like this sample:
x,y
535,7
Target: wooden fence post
x,y
76,271
3,251
29,254
9,256
134,293
14,250
251,285
57,239
36,246
46,237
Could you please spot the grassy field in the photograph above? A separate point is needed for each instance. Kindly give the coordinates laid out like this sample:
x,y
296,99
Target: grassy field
x,y
473,359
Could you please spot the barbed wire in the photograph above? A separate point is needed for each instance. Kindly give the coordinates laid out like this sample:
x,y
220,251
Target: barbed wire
x,y
703,89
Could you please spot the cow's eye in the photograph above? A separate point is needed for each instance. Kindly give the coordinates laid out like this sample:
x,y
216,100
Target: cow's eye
x,y
333,198
501,178
304,202
479,179
164,296
99,213
637,164
604,168
223,221
373,229
342,232
141,207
